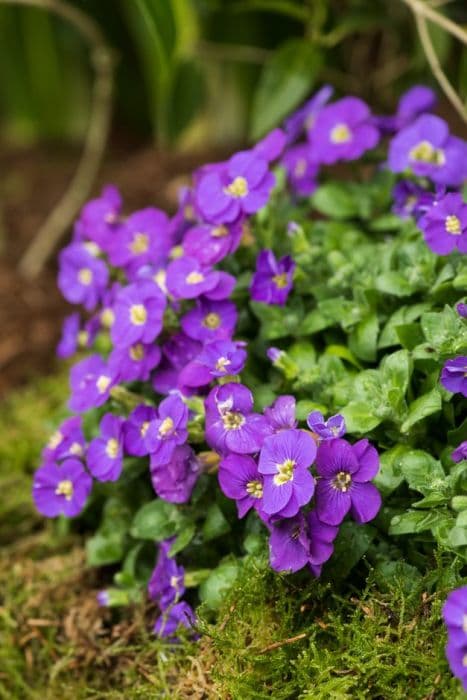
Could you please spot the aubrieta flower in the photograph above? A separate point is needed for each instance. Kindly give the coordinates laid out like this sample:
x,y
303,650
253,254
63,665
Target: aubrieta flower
x,y
344,472
135,430
455,618
139,310
167,582
211,243
142,239
410,199
67,441
271,146
301,170
231,425
273,279
134,363
179,614
82,277
322,538
415,101
240,480
428,150
333,428
61,489
228,190
460,453
99,219
462,309
210,320
104,457
91,381
178,351
218,359
289,544
444,225
284,461
69,337
454,375
174,481
167,430
281,415
343,131
304,118
187,279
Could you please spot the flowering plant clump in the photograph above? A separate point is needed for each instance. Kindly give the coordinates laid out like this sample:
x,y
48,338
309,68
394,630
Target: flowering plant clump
x,y
273,362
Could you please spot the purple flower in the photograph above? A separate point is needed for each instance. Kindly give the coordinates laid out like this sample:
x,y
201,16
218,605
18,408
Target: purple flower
x,y
174,481
455,618
135,429
334,427
343,131
99,218
167,582
273,278
67,441
413,102
61,489
301,171
230,423
460,452
91,381
462,309
179,614
178,351
187,279
211,243
410,199
444,225
305,117
240,480
218,359
343,485
139,310
82,277
281,415
228,190
105,453
271,146
142,239
134,363
185,216
322,537
427,149
454,375
284,461
289,544
69,338
210,320
167,430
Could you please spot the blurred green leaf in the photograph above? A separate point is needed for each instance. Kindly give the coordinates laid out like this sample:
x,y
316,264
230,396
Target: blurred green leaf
x,y
157,521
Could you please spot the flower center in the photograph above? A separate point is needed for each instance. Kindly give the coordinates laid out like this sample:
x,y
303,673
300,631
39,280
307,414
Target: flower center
x,y
140,243
144,428
453,225
219,232
92,248
136,352
102,383
189,212
284,472
233,420
255,489
424,152
176,252
238,187
111,448
212,321
175,581
464,623
222,364
464,660
85,276
341,134
342,481
83,338
300,167
138,314
107,318
65,488
55,440
194,277
280,280
166,427
76,449
159,278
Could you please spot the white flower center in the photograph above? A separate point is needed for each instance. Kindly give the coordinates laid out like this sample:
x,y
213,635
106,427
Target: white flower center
x,y
140,243
136,352
238,188
194,277
85,276
103,383
340,134
233,420
284,472
255,489
166,427
138,314
65,488
342,481
453,225
111,448
212,321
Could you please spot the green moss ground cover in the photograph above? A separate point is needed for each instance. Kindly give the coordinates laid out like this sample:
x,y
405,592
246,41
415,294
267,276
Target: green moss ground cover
x,y
274,637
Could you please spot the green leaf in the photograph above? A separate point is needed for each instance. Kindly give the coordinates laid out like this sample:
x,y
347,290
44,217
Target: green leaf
x,y
396,370
389,476
336,200
285,81
410,335
213,590
183,539
362,340
276,322
351,544
394,283
442,330
424,406
414,521
422,472
458,537
157,521
215,524
105,548
359,418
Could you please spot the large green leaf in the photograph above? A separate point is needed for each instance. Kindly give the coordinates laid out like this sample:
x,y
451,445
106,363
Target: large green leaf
x,y
157,521
286,80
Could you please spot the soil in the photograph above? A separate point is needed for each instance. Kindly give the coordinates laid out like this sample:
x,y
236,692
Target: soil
x,y
31,183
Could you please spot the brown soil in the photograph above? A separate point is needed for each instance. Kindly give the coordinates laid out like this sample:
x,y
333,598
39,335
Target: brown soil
x,y
32,181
